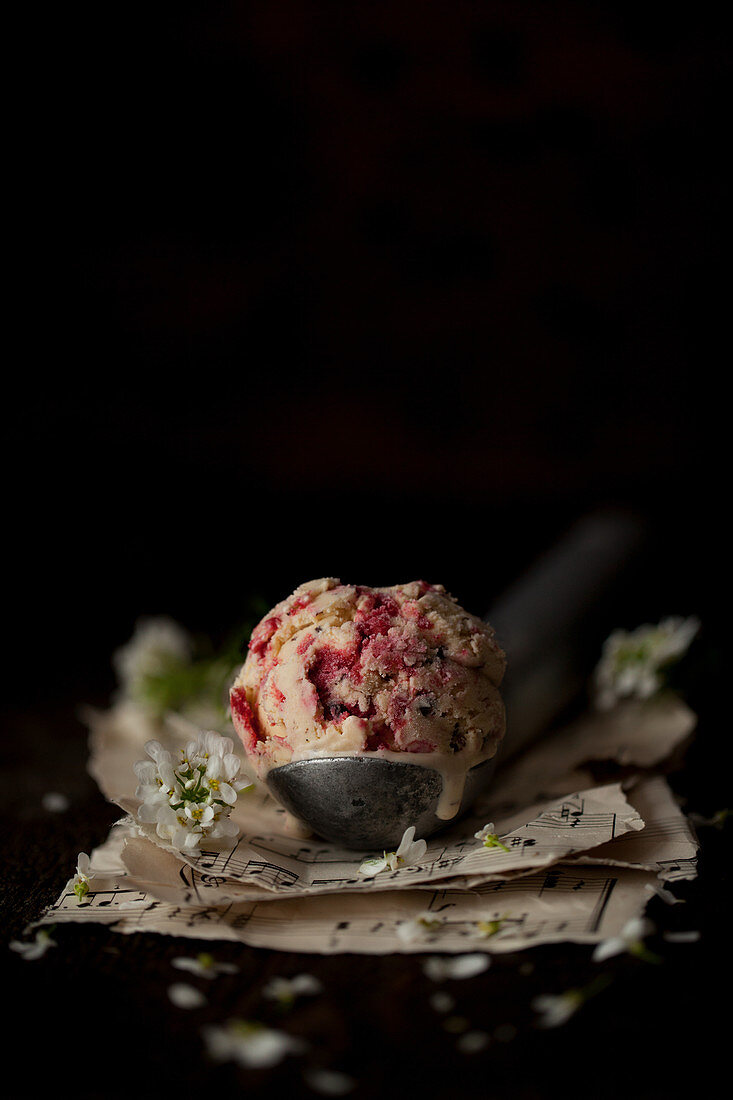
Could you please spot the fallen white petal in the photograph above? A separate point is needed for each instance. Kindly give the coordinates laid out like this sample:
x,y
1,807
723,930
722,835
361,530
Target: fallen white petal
x,y
371,867
33,949
259,1048
556,1009
203,968
185,996
438,967
663,893
55,802
608,948
289,988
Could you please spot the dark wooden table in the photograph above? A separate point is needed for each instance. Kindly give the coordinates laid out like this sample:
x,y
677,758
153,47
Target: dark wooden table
x,y
495,228
93,1015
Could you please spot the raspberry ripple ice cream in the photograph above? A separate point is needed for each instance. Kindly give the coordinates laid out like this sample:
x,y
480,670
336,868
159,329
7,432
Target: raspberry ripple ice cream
x,y
401,673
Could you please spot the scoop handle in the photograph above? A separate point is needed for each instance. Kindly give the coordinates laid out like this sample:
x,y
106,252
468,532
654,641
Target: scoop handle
x,y
553,619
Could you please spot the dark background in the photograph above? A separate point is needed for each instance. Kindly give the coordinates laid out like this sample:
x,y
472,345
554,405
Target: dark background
x,y
374,291
377,291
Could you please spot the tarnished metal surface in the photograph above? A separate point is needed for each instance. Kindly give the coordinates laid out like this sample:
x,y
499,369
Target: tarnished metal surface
x,y
548,623
366,803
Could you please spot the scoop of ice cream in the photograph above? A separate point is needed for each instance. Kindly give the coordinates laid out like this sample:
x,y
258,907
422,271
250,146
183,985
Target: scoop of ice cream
x,y
339,668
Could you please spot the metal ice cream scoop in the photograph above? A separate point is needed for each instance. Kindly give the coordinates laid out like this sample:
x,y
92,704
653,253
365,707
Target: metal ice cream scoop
x,y
548,623
365,803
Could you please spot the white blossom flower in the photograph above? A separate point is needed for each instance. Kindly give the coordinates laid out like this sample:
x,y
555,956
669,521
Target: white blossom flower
x,y
250,1044
157,644
173,827
185,996
439,967
198,814
287,990
329,1082
192,799
630,938
222,827
162,671
489,838
632,662
418,927
82,878
158,784
219,776
35,948
206,744
409,851
204,965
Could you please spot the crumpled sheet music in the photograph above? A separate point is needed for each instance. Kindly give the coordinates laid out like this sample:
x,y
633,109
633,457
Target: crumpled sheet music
x,y
583,857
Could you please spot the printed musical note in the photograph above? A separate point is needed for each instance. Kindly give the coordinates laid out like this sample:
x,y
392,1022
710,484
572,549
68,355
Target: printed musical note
x,y
273,873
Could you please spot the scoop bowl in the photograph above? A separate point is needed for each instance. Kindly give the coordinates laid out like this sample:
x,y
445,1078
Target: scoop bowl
x,y
364,803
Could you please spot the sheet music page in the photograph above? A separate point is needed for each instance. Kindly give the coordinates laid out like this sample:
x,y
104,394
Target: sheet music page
x,y
582,857
538,836
667,844
565,902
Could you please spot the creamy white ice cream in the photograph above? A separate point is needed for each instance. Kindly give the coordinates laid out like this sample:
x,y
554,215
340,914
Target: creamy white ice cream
x,y
401,672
